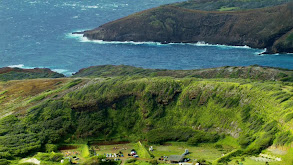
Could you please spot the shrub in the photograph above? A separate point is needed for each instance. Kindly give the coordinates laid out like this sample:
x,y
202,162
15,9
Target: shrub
x,y
288,117
203,137
51,147
245,140
170,134
131,160
4,162
259,144
55,157
284,138
154,162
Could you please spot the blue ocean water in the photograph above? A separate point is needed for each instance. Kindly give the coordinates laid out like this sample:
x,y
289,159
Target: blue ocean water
x,y
37,33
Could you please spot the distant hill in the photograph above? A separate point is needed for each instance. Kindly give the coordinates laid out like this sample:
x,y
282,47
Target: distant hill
x,y
20,74
188,22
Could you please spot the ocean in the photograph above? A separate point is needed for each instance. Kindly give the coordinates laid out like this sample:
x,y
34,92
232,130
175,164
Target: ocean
x,y
37,33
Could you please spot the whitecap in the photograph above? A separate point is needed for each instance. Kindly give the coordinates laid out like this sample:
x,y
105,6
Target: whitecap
x,y
16,66
20,66
261,52
84,39
92,7
63,71
203,43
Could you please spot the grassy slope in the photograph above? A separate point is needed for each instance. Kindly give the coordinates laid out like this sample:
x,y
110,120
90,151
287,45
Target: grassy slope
x,y
127,108
250,72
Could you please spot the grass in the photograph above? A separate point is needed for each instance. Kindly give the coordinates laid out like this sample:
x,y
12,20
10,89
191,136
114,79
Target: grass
x,y
223,8
249,161
142,151
18,94
228,141
205,151
85,151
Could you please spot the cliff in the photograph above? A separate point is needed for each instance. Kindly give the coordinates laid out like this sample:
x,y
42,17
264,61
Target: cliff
x,y
270,27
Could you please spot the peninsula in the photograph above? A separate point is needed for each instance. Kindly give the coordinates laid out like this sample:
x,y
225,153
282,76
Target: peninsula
x,y
269,27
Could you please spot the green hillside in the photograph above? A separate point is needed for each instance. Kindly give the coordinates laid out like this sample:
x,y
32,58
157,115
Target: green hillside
x,y
257,114
229,5
20,74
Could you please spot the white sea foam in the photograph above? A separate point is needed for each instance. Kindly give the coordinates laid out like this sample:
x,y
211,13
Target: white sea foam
x,y
202,43
260,53
80,38
92,7
84,39
63,71
20,66
16,66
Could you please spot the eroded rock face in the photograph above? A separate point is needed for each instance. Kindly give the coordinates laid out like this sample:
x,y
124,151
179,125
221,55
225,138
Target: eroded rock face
x,y
259,28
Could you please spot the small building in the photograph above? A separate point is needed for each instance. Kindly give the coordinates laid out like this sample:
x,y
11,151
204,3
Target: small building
x,y
175,158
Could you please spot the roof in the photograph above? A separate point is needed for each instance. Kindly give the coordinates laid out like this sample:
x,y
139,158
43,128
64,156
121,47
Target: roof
x,y
175,158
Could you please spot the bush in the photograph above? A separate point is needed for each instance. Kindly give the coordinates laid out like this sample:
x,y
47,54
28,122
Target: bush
x,y
170,134
245,140
4,162
55,157
288,117
51,147
154,162
284,138
131,160
203,137
260,144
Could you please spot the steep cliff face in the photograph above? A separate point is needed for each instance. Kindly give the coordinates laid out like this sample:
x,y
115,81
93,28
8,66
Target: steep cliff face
x,y
257,28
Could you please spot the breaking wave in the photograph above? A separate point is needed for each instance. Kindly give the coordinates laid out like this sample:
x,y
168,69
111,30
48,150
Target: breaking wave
x,y
80,38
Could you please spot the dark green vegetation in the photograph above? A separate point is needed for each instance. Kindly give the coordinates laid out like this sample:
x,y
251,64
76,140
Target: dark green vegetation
x,y
20,74
228,5
146,106
269,27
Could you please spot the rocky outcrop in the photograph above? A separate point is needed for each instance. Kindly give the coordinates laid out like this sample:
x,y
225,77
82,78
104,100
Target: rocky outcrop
x,y
270,28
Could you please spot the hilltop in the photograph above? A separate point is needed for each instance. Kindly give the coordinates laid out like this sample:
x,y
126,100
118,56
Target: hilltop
x,y
7,73
253,72
123,103
214,22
